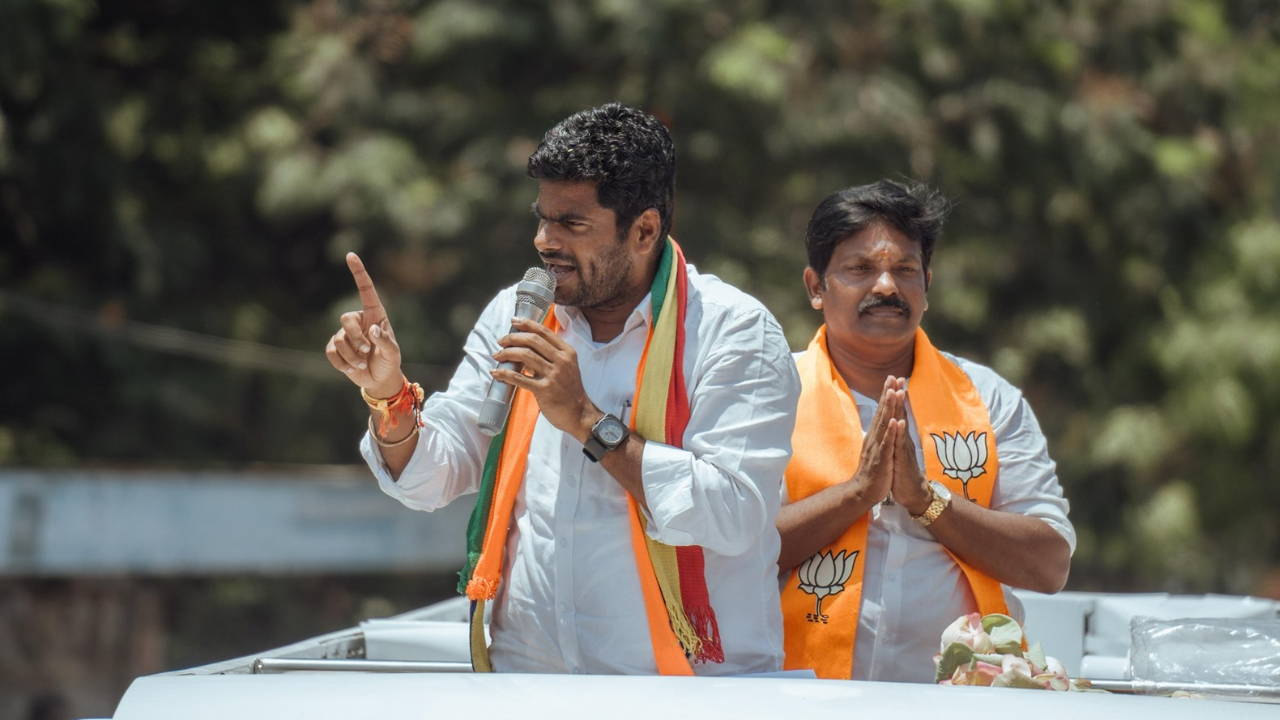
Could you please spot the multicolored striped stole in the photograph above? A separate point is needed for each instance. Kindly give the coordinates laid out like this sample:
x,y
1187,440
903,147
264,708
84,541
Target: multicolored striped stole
x,y
682,624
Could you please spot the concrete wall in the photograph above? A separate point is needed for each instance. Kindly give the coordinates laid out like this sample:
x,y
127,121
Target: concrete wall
x,y
74,523
107,575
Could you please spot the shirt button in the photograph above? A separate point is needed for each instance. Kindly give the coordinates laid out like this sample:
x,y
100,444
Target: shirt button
x,y
564,607
893,576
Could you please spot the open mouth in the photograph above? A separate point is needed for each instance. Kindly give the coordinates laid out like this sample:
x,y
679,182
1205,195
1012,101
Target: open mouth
x,y
561,272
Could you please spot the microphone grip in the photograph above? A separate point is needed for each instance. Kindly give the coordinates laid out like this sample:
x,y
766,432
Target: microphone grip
x,y
497,403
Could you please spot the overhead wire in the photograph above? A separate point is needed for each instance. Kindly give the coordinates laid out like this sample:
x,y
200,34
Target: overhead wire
x,y
186,343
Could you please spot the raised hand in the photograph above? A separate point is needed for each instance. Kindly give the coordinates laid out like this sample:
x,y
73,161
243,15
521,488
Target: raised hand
x,y
874,477
910,488
808,525
365,348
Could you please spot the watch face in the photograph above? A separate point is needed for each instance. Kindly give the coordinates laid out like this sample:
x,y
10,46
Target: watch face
x,y
611,431
941,490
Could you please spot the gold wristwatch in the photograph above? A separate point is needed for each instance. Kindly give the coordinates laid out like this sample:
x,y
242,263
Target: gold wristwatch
x,y
940,498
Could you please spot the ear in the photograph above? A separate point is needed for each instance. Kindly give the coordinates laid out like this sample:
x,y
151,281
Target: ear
x,y
813,285
645,231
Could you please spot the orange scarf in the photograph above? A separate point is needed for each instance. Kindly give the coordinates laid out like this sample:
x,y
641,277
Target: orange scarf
x,y
682,624
823,596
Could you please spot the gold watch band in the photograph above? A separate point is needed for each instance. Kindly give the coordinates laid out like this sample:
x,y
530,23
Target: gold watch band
x,y
936,505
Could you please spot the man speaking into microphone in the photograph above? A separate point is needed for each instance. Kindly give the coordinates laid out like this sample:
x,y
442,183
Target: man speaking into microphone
x,y
625,519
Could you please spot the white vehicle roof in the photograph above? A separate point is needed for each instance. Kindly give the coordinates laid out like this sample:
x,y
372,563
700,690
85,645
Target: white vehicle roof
x,y
415,666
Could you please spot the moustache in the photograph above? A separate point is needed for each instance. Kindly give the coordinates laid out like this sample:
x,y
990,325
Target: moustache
x,y
876,301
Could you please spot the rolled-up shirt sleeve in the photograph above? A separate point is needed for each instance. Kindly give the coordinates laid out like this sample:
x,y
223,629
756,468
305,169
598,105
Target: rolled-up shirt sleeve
x,y
446,462
722,489
1027,483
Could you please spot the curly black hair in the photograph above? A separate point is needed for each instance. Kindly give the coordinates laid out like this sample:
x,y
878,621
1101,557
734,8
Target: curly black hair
x,y
916,209
627,153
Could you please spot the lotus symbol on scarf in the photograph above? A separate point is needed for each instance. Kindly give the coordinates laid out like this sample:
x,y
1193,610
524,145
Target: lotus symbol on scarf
x,y
823,575
962,456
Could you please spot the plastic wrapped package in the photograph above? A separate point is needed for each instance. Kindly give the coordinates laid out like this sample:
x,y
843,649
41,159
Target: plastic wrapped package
x,y
1211,656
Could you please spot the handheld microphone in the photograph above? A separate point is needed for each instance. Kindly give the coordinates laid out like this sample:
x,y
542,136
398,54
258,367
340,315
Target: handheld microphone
x,y
534,296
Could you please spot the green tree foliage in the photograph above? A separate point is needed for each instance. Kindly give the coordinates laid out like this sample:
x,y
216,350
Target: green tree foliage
x,y
1115,249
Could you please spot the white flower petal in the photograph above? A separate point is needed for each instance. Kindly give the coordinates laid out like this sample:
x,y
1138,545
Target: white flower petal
x,y
971,443
848,566
1054,666
982,449
963,458
952,633
1016,665
806,572
940,446
825,573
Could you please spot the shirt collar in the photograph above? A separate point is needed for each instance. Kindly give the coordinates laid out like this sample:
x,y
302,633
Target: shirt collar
x,y
572,319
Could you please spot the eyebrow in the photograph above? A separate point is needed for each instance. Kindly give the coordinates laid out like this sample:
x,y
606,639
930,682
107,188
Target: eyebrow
x,y
564,217
865,257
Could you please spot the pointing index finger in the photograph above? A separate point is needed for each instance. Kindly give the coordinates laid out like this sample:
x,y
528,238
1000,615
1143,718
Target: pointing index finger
x,y
374,313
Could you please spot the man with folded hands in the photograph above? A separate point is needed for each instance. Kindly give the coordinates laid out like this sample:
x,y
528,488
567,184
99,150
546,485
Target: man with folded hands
x,y
920,486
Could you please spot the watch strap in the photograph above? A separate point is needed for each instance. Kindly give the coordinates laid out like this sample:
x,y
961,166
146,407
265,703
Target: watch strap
x,y
594,449
937,504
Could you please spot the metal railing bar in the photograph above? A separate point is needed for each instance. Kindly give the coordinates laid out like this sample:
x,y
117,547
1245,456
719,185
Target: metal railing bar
x,y
269,666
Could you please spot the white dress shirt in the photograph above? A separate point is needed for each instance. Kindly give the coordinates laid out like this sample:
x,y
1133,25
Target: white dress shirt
x,y
570,598
911,588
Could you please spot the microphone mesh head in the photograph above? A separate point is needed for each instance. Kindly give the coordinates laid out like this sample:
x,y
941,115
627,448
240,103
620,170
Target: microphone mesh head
x,y
542,277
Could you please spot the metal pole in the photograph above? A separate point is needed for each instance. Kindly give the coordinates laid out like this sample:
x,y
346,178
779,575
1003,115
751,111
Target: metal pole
x,y
1242,692
267,666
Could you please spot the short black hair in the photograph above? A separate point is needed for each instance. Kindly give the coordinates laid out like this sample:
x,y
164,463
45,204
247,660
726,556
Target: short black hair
x,y
626,153
916,209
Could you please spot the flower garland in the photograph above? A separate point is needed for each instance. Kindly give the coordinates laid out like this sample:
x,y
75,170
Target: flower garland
x,y
988,651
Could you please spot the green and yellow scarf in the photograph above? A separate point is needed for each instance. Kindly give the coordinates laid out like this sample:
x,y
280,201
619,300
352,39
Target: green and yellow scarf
x,y
682,624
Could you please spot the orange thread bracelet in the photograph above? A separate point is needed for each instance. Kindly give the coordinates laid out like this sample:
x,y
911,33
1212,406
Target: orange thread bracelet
x,y
409,399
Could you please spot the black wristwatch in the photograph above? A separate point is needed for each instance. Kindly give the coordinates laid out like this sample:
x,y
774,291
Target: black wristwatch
x,y
607,434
